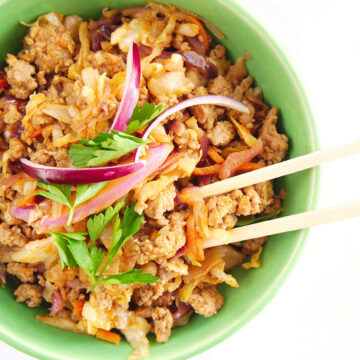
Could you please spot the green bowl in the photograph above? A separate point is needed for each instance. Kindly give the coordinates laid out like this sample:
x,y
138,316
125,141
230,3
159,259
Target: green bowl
x,y
282,89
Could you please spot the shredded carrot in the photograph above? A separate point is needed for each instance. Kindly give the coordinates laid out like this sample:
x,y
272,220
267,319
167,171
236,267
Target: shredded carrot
x,y
250,167
108,336
35,133
26,201
202,30
214,155
208,170
193,246
153,234
78,305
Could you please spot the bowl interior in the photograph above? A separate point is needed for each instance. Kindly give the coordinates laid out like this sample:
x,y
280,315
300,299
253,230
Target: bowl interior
x,y
18,326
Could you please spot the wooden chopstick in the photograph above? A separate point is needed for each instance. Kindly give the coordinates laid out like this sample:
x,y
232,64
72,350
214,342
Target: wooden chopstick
x,y
288,223
284,168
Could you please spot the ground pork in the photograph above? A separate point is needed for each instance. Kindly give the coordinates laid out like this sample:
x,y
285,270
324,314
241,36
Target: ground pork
x,y
106,62
224,209
162,246
221,210
19,76
163,202
187,140
16,148
50,47
222,133
275,144
31,294
238,71
220,86
163,322
11,236
24,272
206,300
250,247
217,57
12,115
206,115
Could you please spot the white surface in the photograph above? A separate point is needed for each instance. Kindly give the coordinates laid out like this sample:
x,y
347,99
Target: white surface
x,y
316,313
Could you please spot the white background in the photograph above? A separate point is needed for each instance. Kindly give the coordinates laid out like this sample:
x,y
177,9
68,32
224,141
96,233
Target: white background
x,y
316,314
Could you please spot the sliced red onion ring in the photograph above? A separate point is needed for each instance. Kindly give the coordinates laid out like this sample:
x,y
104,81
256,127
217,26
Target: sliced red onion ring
x,y
130,94
113,190
75,176
197,61
199,100
22,212
180,252
57,301
181,311
204,180
204,144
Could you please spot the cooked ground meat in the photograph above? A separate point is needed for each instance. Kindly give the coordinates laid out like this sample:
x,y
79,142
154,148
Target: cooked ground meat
x,y
24,272
206,300
222,134
19,76
31,294
50,47
250,247
163,322
275,144
220,86
11,236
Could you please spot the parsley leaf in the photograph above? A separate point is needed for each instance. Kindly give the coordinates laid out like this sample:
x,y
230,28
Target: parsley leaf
x,y
61,239
134,276
62,194
58,193
256,220
143,116
97,223
130,225
103,148
75,252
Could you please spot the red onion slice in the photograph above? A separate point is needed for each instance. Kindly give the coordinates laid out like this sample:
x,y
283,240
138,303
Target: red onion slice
x,y
199,100
181,311
131,90
22,212
114,190
57,301
75,176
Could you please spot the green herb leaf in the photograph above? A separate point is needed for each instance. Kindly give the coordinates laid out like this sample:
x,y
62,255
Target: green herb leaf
x,y
256,220
81,254
143,116
62,194
135,276
85,192
61,240
58,193
103,148
97,223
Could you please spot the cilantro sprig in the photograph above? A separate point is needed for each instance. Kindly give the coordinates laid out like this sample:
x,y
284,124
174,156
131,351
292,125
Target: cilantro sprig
x,y
74,251
258,219
143,116
103,148
62,194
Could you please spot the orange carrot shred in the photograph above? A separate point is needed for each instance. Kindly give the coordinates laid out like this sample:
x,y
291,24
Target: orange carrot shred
x,y
193,245
202,30
108,336
26,201
35,133
250,167
78,305
208,170
214,155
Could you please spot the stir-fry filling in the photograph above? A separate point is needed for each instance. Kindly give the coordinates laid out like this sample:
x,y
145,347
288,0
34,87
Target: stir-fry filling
x,y
108,128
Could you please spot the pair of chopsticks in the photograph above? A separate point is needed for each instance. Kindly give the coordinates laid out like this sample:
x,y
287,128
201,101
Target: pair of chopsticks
x,y
292,222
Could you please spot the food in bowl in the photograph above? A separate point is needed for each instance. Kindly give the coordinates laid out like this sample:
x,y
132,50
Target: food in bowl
x,y
99,210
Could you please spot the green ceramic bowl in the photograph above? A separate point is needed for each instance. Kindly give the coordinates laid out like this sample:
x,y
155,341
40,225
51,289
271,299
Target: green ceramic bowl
x,y
282,89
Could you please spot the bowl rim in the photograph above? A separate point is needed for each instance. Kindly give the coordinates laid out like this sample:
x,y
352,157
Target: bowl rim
x,y
230,329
